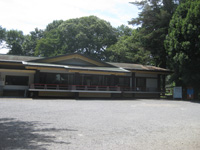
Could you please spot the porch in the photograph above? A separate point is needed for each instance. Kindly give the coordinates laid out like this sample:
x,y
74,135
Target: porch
x,y
91,88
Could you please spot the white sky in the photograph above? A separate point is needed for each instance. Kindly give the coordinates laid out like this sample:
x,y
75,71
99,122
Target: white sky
x,y
26,15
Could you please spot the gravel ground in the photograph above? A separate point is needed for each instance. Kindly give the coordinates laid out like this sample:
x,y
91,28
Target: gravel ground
x,y
99,125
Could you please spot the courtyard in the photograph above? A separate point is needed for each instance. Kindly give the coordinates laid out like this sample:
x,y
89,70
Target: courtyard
x,y
47,124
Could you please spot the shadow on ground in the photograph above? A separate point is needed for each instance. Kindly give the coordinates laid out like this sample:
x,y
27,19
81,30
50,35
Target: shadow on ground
x,y
16,134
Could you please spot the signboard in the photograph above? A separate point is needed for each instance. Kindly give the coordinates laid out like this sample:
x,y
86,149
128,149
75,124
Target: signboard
x,y
177,92
190,93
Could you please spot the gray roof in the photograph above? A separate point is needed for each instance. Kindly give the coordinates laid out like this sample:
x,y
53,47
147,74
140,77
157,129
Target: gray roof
x,y
139,67
17,58
107,69
41,59
118,67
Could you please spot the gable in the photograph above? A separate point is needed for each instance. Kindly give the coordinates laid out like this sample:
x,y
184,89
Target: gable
x,y
74,60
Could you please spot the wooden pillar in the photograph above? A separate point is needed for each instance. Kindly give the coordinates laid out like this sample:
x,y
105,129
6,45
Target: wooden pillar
x,y
116,80
133,79
163,84
133,83
158,83
111,80
37,76
77,79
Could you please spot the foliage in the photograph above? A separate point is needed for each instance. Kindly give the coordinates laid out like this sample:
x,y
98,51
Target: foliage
x,y
124,31
15,39
2,34
30,41
128,48
154,21
49,45
53,25
183,44
86,35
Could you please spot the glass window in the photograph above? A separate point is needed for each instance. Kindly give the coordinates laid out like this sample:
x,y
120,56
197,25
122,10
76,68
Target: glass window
x,y
56,78
70,79
141,82
124,81
17,80
92,80
63,78
42,78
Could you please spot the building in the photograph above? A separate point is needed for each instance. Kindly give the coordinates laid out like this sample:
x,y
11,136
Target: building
x,y
76,75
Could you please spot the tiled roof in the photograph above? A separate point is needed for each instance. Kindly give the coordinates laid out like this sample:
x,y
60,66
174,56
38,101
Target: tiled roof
x,y
139,67
109,69
17,58
120,66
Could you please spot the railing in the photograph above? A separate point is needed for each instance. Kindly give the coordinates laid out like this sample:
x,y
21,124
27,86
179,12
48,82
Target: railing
x,y
74,87
141,89
91,88
49,86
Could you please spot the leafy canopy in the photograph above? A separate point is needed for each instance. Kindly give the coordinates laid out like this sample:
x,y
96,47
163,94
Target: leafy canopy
x,y
183,44
86,35
15,39
154,21
2,34
128,48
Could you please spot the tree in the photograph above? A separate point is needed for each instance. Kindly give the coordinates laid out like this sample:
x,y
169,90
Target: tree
x,y
183,44
128,48
124,31
53,25
2,34
154,22
14,40
50,44
30,41
86,35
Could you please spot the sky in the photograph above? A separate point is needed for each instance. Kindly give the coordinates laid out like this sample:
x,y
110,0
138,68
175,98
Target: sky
x,y
26,15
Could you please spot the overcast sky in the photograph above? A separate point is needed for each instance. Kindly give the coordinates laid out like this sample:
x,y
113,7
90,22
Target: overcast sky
x,y
26,15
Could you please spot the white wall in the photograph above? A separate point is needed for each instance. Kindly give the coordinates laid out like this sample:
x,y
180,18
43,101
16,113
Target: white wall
x,y
14,73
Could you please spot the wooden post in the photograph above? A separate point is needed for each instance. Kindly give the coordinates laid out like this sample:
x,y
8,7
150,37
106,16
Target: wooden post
x,y
163,85
159,85
77,79
37,76
133,83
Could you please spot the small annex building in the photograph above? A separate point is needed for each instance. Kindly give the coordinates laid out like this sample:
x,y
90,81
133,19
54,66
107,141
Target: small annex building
x,y
77,75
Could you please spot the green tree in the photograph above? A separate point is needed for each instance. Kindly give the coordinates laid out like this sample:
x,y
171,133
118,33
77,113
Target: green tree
x,y
124,31
14,40
2,34
128,48
86,35
30,41
50,44
53,25
183,44
154,22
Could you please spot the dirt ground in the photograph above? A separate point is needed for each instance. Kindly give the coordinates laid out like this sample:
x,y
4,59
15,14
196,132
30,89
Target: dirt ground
x,y
99,124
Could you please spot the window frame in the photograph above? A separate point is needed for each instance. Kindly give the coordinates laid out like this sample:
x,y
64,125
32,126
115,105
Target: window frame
x,y
12,80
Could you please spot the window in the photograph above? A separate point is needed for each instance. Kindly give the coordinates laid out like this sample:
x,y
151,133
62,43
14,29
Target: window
x,y
124,81
141,84
17,80
56,78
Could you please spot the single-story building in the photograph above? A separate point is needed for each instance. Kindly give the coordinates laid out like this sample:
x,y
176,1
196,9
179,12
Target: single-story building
x,y
76,75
